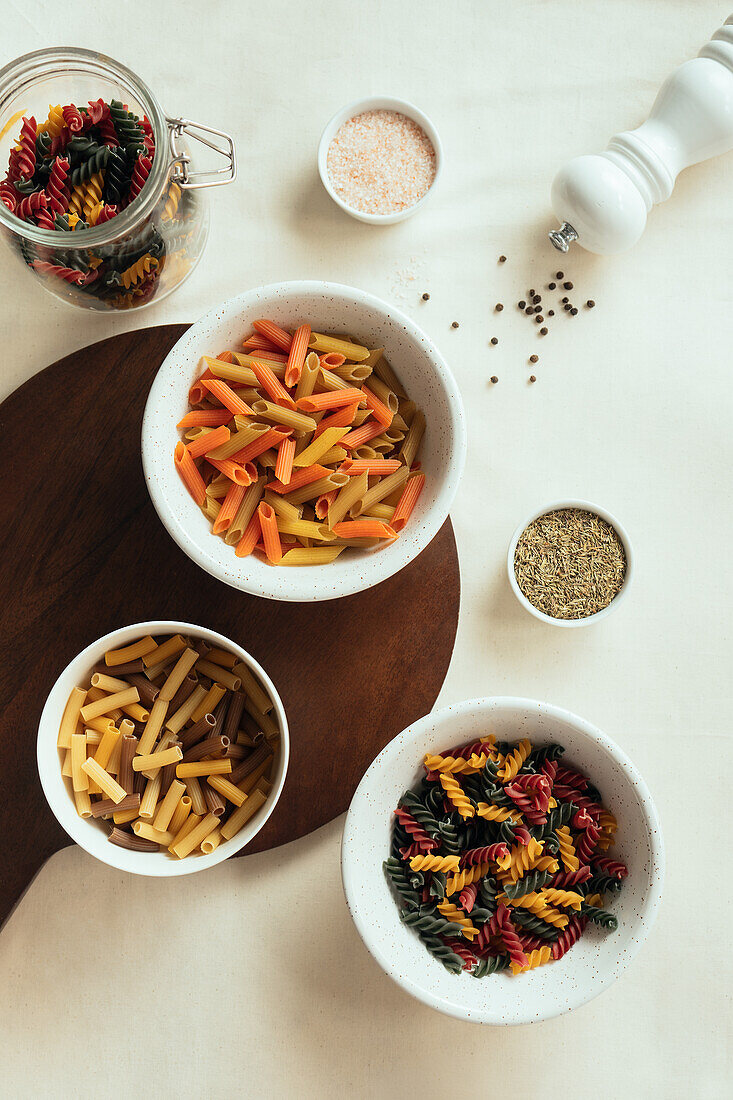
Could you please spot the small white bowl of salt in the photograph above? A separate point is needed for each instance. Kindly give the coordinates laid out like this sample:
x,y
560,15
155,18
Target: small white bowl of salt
x,y
380,159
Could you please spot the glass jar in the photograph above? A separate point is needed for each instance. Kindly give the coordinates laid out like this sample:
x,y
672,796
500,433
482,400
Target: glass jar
x,y
150,246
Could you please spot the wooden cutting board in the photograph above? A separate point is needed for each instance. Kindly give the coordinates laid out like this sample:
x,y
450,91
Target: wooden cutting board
x,y
83,552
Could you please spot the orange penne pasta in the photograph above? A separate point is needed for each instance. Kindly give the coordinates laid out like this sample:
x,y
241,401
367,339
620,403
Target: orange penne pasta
x,y
300,478
271,356
197,393
226,356
205,418
270,534
364,529
240,475
285,455
271,438
407,502
370,466
297,354
258,342
368,430
378,408
208,442
250,538
339,419
324,502
188,470
272,385
331,359
276,335
229,399
333,399
229,507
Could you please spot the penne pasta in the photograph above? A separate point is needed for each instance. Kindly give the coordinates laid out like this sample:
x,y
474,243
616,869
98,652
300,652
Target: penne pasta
x,y
321,342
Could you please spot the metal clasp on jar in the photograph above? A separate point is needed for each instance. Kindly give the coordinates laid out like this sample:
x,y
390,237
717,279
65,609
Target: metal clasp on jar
x,y
212,177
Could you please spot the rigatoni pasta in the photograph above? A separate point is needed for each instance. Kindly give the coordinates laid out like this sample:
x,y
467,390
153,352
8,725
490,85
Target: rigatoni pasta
x,y
185,775
310,422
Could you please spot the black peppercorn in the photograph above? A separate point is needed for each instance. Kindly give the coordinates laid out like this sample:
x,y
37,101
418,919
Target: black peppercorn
x,y
529,309
539,319
454,324
538,309
426,297
498,307
551,286
533,358
522,305
531,293
551,313
568,286
559,274
564,300
590,303
502,259
494,341
573,312
494,379
543,332
533,378
536,298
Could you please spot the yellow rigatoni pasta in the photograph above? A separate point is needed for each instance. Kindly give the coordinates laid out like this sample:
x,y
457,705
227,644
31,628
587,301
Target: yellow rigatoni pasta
x,y
130,652
242,814
107,784
70,719
193,839
109,703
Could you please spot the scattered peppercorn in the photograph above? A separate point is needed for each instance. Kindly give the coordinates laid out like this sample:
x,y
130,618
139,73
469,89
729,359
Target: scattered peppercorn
x,y
567,308
426,297
573,312
538,309
531,293
529,309
533,377
543,331
522,305
536,298
551,313
494,379
564,300
534,358
454,324
494,341
498,307
502,259
551,286
539,319
590,303
568,286
559,274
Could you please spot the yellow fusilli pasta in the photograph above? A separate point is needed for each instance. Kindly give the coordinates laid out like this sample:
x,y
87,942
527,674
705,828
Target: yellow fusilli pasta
x,y
456,765
434,863
465,877
54,124
452,913
456,795
567,849
566,899
138,270
513,761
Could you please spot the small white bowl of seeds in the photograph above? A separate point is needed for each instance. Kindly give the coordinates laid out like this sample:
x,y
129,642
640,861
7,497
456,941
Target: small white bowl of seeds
x,y
570,563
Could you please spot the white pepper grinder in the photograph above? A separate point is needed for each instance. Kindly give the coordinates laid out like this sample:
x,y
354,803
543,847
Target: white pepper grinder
x,y
602,200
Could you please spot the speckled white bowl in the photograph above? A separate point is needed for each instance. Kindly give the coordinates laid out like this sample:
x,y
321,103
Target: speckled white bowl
x,y
328,307
378,103
583,506
91,835
597,959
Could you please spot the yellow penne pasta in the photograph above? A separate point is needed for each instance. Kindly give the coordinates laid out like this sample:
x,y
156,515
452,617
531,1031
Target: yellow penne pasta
x,y
278,414
347,498
109,703
383,488
308,377
315,555
104,780
319,341
320,446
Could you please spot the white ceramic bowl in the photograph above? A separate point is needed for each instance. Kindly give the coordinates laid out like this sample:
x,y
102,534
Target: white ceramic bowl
x,y
597,959
378,103
329,307
92,835
584,506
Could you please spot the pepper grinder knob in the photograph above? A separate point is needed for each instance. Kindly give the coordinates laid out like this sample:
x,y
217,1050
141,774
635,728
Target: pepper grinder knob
x,y
602,200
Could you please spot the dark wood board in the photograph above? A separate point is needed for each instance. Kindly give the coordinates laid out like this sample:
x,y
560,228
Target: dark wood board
x,y
82,552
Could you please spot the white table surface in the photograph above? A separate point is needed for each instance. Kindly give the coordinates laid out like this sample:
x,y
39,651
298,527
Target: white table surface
x,y
250,979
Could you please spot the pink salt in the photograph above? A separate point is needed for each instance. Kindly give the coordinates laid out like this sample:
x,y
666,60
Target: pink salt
x,y
380,162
